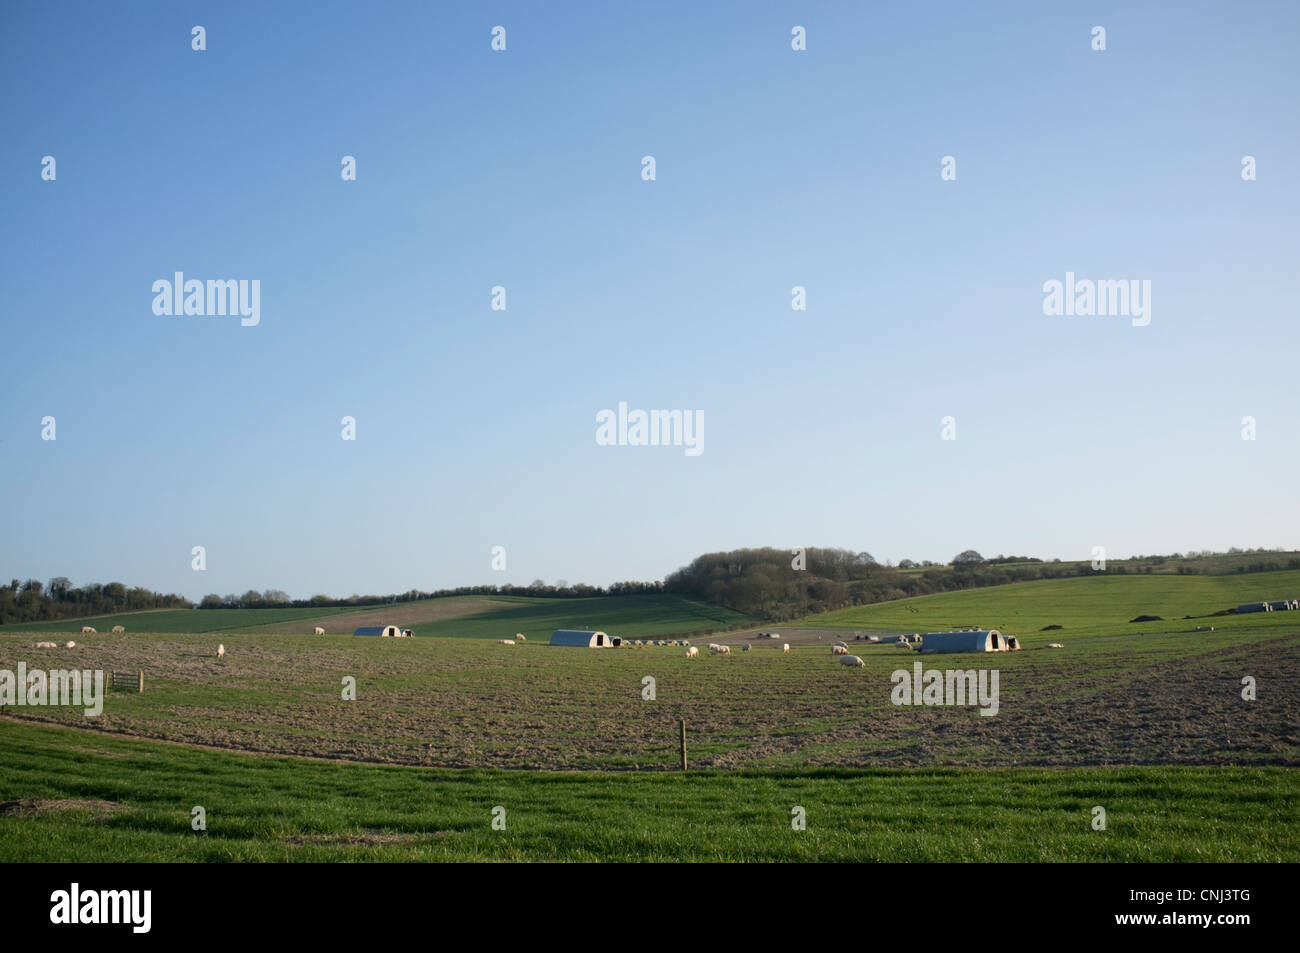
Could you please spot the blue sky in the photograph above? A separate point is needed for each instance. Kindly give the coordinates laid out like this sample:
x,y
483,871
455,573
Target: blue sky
x,y
775,168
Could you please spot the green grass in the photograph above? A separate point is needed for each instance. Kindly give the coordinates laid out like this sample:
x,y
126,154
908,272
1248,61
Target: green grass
x,y
183,620
627,616
1089,605
456,616
277,809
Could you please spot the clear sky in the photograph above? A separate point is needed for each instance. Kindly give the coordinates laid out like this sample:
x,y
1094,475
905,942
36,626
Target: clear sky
x,y
775,168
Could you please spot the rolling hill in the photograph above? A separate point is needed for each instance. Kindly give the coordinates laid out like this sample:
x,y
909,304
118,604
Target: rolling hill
x,y
456,616
1082,606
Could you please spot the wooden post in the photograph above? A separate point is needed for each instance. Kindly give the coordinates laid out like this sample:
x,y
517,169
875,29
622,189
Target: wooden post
x,y
140,684
683,721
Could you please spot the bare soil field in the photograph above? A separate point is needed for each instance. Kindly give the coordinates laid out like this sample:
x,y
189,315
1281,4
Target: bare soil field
x,y
1118,700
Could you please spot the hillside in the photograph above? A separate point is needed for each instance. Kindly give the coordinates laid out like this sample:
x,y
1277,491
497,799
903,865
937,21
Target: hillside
x,y
456,616
190,620
776,586
1086,605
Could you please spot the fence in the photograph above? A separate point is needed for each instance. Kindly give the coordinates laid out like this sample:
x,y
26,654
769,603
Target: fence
x,y
127,680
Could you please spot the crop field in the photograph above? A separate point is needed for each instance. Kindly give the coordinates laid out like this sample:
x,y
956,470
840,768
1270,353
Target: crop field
x,y
1149,714
454,616
194,620
1083,606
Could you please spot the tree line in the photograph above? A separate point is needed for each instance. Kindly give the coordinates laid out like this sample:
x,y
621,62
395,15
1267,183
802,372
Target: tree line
x,y
277,599
766,583
31,601
778,584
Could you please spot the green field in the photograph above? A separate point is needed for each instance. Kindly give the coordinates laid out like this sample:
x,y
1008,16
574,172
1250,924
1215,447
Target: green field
x,y
626,616
186,620
1093,605
71,796
454,616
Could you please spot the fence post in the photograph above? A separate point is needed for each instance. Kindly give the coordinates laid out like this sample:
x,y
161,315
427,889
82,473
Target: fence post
x,y
683,744
140,684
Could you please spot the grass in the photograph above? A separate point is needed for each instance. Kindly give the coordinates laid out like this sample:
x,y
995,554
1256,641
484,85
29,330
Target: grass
x,y
635,616
280,809
1088,605
196,621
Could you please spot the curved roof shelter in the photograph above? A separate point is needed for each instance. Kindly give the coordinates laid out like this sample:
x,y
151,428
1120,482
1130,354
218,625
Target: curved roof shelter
x,y
974,640
383,631
583,639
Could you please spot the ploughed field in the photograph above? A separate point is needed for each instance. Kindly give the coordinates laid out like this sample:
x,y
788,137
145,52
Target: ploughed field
x,y
1127,695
